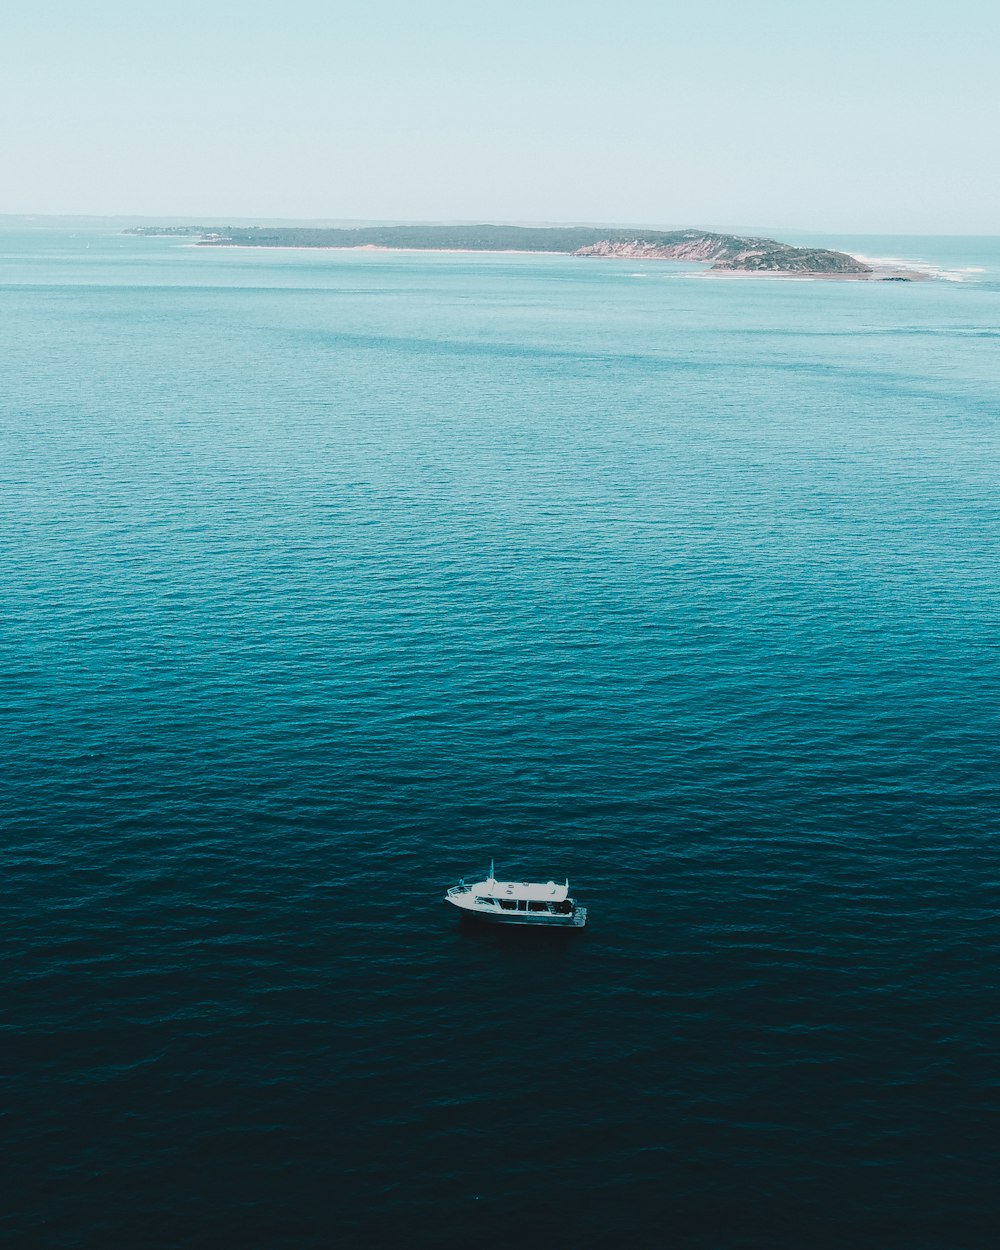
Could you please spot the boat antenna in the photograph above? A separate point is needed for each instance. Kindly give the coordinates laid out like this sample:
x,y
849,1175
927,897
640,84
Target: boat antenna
x,y
493,875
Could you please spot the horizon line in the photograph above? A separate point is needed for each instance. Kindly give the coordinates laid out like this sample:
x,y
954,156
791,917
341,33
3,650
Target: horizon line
x,y
348,223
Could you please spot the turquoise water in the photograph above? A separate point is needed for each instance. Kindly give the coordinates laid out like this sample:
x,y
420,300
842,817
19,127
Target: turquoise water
x,y
327,577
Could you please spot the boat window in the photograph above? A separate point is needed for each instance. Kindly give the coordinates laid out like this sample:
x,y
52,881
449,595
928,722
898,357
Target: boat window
x,y
536,906
488,902
508,904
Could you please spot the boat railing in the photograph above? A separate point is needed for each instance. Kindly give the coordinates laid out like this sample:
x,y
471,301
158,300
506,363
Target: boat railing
x,y
461,888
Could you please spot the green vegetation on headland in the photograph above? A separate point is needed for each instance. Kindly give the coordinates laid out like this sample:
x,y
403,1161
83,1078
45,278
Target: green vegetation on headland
x,y
723,252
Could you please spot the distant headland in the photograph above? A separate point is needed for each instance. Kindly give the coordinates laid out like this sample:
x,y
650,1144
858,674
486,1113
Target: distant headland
x,y
723,253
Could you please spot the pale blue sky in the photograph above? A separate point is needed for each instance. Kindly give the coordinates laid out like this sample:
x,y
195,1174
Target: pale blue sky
x,y
867,117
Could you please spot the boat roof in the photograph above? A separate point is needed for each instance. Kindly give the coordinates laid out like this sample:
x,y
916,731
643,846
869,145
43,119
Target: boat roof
x,y
548,891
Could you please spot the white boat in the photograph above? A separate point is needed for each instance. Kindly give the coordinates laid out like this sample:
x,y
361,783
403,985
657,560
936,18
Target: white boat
x,y
518,902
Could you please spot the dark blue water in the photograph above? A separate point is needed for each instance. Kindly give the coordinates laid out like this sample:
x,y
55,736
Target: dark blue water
x,y
326,577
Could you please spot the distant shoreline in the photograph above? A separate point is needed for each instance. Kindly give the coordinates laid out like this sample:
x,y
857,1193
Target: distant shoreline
x,y
721,254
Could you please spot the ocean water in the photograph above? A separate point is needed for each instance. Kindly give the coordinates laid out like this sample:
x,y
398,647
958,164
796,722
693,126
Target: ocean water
x,y
328,576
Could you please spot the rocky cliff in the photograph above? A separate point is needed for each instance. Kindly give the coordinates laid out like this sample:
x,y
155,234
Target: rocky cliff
x,y
731,252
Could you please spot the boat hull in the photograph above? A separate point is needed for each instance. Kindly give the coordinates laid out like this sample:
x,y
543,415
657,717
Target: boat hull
x,y
576,919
